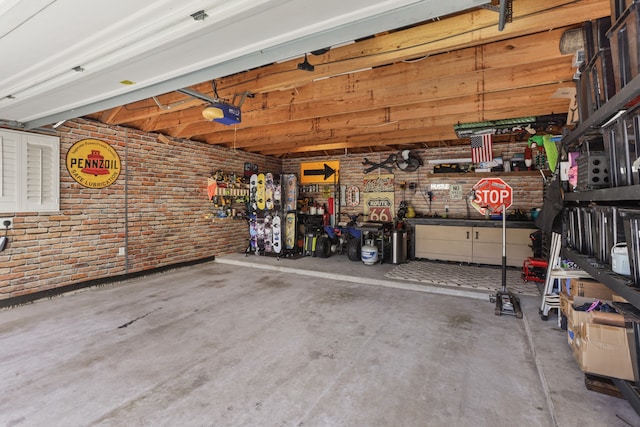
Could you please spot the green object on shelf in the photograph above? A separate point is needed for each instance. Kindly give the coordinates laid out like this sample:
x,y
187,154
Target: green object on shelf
x,y
549,147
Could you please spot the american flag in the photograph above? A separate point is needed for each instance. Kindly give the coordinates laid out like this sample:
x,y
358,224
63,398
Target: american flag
x,y
481,148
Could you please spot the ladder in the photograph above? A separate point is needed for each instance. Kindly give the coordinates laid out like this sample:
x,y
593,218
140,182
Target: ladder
x,y
551,296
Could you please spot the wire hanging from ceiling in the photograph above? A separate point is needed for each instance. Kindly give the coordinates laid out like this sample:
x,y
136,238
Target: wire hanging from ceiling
x,y
235,137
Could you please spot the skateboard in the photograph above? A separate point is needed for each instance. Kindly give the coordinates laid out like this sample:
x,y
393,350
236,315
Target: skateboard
x,y
268,234
277,235
260,234
253,232
269,189
291,195
260,192
253,189
268,238
277,195
290,230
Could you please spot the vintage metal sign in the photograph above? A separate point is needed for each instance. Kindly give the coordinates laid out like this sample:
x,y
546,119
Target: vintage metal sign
x,y
93,163
319,172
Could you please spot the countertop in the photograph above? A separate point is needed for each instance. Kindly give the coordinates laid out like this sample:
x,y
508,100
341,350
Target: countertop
x,y
496,223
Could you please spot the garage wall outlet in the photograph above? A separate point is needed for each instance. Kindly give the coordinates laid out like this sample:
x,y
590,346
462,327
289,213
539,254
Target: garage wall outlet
x,y
3,226
121,251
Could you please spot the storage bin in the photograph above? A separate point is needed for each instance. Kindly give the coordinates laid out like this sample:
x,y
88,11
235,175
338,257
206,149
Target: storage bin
x,y
618,7
587,231
583,93
623,146
593,170
602,78
608,231
595,38
624,46
574,229
595,84
620,259
631,220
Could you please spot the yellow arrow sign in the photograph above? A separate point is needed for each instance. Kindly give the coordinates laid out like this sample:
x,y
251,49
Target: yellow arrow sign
x,y
319,172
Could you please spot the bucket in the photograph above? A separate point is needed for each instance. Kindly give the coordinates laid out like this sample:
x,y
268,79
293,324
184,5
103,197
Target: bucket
x,y
620,259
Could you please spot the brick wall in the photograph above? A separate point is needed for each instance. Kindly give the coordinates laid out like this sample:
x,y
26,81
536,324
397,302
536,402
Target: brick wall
x,y
527,188
157,210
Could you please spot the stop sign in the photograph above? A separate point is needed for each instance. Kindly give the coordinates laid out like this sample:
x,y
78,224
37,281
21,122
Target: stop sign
x,y
493,194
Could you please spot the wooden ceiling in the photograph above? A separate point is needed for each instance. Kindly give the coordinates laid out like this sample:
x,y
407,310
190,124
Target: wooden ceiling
x,y
401,89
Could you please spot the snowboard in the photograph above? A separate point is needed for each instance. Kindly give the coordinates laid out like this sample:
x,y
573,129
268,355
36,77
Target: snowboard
x,y
277,195
277,234
253,189
261,192
290,230
269,190
291,196
268,234
260,232
253,232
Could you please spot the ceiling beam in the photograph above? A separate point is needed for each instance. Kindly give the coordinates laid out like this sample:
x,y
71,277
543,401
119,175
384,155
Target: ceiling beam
x,y
458,32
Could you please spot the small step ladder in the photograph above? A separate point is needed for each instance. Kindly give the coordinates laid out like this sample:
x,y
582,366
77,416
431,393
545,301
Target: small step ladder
x,y
551,297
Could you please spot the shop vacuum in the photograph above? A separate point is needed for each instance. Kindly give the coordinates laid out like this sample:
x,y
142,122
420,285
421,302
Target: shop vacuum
x,y
506,302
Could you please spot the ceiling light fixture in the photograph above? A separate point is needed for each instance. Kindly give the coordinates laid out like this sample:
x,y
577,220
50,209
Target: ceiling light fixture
x,y
306,66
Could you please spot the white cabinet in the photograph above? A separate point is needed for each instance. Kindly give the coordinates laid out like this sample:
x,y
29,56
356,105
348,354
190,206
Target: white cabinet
x,y
482,245
443,243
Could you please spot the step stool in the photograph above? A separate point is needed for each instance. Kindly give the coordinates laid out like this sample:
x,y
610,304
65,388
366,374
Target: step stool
x,y
555,272
534,269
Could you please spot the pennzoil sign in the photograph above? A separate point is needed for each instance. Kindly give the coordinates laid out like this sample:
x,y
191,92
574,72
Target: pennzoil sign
x,y
93,163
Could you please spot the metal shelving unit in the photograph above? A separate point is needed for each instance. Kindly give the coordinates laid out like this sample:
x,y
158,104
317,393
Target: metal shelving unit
x,y
617,283
627,97
613,194
618,102
629,194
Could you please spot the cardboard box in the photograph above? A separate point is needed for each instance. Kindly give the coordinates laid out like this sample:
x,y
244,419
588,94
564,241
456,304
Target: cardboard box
x,y
576,318
589,288
604,350
618,298
565,302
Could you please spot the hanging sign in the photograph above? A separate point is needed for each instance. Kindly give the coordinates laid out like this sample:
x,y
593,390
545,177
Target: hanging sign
x,y
492,194
455,192
378,198
93,163
319,172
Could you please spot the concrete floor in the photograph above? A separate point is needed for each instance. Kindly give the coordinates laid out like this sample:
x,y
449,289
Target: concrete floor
x,y
221,344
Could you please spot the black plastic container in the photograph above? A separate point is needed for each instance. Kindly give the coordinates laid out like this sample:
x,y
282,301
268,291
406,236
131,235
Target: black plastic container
x,y
623,145
607,231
